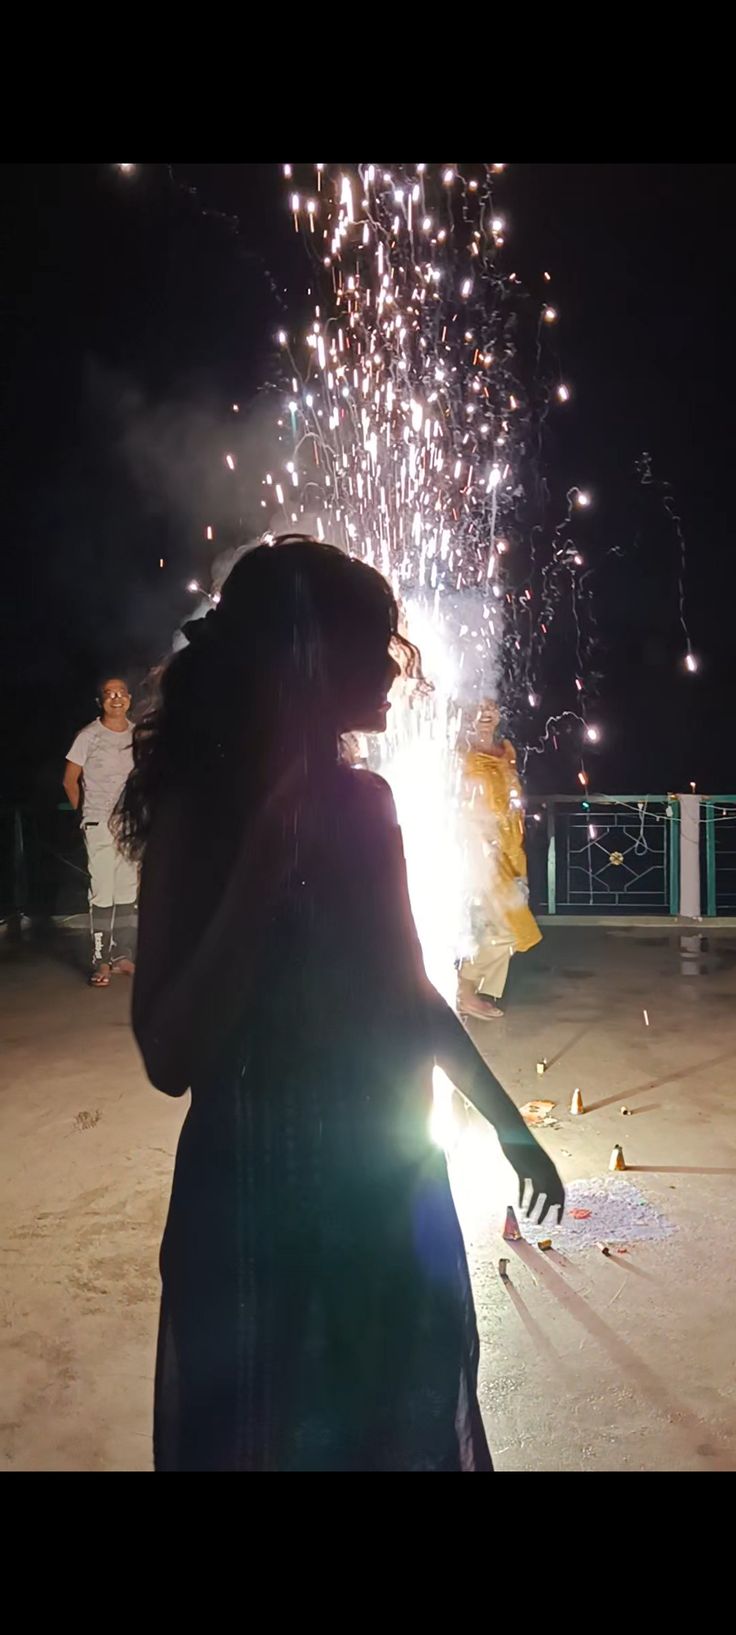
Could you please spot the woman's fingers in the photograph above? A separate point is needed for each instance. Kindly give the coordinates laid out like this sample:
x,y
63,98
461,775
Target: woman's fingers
x,y
552,1200
525,1181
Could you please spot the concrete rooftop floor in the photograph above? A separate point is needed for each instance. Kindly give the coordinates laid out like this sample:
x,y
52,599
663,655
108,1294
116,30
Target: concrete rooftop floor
x,y
624,1362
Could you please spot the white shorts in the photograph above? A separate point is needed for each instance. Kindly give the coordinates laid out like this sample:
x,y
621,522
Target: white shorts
x,y
112,878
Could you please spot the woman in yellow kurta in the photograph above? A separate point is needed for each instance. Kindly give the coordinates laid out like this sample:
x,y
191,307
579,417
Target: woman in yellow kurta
x,y
503,923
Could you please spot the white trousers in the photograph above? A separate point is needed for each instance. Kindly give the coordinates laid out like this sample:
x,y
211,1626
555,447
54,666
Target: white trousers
x,y
113,889
489,967
112,879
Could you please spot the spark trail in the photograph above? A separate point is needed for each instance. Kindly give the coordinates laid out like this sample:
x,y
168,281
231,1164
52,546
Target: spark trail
x,y
411,430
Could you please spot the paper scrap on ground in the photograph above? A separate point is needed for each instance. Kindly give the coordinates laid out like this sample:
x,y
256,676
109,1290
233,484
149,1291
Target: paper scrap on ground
x,y
536,1112
617,1214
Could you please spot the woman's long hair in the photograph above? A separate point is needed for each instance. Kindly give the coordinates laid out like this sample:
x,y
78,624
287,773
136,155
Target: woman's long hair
x,y
265,681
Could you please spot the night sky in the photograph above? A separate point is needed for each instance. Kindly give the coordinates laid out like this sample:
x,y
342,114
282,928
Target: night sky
x,y
136,311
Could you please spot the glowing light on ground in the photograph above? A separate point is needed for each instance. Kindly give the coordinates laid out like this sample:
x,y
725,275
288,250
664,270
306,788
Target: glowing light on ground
x,y
482,1180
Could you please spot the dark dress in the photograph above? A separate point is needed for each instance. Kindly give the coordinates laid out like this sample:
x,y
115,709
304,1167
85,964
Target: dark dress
x,y
316,1309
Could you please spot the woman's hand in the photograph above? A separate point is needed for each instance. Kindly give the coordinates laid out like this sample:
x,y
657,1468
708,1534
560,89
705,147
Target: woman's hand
x,y
535,1167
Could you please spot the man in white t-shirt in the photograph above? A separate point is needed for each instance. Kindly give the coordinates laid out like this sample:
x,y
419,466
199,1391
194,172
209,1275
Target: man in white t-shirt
x,y
97,767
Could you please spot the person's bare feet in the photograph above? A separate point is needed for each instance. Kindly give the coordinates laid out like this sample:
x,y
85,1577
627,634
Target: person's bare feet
x,y
100,977
123,967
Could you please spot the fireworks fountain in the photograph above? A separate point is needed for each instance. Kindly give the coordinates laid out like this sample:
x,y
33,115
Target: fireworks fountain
x,y
411,429
412,410
411,433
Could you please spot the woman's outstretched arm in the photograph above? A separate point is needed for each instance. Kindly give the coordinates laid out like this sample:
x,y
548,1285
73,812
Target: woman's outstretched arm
x,y
456,1054
452,1046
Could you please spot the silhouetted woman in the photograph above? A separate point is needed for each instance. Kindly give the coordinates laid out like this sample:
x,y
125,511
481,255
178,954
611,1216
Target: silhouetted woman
x,y
316,1310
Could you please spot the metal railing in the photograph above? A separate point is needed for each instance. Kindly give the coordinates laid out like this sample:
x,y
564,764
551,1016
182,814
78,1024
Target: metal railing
x,y
606,856
611,856
43,870
719,821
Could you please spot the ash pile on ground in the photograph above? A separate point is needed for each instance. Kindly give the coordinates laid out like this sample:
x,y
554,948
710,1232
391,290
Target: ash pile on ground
x,y
617,1214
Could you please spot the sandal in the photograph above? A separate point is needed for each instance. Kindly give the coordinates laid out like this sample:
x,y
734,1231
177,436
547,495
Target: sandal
x,y
100,979
479,1011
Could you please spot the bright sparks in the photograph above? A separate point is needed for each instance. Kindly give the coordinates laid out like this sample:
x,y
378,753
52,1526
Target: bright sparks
x,y
409,420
